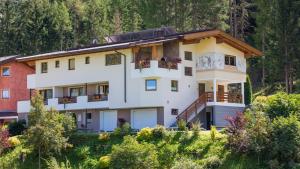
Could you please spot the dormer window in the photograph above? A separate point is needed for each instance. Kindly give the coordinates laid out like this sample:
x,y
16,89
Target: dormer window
x,y
230,60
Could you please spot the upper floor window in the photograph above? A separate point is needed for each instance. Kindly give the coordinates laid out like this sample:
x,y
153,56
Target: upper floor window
x,y
188,55
5,94
57,64
78,91
71,64
174,85
151,85
5,71
87,60
188,71
112,59
44,67
230,60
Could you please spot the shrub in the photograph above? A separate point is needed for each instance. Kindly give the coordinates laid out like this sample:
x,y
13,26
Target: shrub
x,y
104,162
196,128
212,162
4,136
258,129
186,164
104,137
123,131
52,163
159,132
181,125
282,104
167,154
145,134
213,133
285,139
90,163
260,103
16,127
238,139
117,131
14,141
248,91
82,152
133,155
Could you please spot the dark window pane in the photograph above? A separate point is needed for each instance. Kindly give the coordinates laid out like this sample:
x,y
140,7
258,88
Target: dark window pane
x,y
188,55
174,111
188,71
87,60
113,59
57,64
44,67
71,64
174,85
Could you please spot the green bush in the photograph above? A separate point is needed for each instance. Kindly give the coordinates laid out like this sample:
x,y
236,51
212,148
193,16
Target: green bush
x,y
213,133
104,137
181,125
282,104
145,134
52,163
104,162
159,132
186,164
16,127
133,155
212,162
167,154
82,152
248,91
285,140
90,163
123,131
196,128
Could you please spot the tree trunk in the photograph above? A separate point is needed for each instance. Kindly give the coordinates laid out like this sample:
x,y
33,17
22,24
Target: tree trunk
x,y
263,60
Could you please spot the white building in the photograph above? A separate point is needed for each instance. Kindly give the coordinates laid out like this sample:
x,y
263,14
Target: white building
x,y
145,78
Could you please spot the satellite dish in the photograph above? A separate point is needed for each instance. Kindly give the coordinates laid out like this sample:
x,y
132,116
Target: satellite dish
x,y
95,41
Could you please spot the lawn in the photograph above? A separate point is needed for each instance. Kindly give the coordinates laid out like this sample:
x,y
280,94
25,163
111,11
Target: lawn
x,y
196,147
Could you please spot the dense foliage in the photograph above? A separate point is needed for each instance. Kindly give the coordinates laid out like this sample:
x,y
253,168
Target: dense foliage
x,y
248,91
16,127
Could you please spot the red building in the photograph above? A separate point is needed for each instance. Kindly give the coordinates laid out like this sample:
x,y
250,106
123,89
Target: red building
x,y
13,86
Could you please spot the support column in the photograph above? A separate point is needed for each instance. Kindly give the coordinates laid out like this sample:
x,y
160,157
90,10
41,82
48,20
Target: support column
x,y
243,89
215,90
53,93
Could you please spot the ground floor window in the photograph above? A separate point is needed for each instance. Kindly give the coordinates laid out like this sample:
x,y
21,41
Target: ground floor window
x,y
151,85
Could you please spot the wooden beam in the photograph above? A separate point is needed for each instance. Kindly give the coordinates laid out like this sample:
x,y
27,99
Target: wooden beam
x,y
192,41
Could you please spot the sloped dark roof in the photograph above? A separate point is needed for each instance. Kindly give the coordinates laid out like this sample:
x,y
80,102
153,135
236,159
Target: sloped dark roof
x,y
7,59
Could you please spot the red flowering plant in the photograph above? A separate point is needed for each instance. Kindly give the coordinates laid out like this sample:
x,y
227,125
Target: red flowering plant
x,y
238,139
4,136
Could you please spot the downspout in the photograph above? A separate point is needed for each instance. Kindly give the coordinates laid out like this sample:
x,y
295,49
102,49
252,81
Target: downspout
x,y
125,76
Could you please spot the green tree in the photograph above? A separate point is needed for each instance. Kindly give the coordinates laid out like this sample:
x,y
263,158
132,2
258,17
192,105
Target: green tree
x,y
48,130
248,91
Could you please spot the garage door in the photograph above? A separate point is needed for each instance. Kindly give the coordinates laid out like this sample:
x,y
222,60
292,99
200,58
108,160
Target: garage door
x,y
142,118
108,120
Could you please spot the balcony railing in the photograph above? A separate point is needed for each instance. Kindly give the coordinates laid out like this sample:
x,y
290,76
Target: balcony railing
x,y
67,100
140,64
225,97
168,65
97,97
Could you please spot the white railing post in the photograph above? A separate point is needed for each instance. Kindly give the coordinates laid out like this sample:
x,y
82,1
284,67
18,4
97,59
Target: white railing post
x,y
215,90
243,89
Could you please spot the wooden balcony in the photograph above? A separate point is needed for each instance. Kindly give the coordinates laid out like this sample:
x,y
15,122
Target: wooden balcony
x,y
67,100
141,64
164,63
168,65
225,97
97,97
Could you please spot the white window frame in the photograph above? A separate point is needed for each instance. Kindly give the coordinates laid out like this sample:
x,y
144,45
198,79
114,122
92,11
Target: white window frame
x,y
8,93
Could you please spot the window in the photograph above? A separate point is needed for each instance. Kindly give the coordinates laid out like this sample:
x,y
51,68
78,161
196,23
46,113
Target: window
x,y
102,89
230,60
188,71
188,55
113,59
174,85
44,67
174,111
74,92
89,117
71,64
87,60
151,85
57,64
5,71
5,94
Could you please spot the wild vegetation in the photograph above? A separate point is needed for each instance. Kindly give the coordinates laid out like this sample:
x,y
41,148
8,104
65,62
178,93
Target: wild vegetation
x,y
266,136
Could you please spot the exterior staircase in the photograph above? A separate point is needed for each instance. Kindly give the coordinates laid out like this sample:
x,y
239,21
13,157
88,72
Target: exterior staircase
x,y
192,110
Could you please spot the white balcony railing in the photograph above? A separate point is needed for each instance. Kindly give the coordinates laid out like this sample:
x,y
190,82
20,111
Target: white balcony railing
x,y
82,103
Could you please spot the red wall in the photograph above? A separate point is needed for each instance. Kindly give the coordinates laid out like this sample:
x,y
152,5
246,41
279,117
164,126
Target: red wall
x,y
16,83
